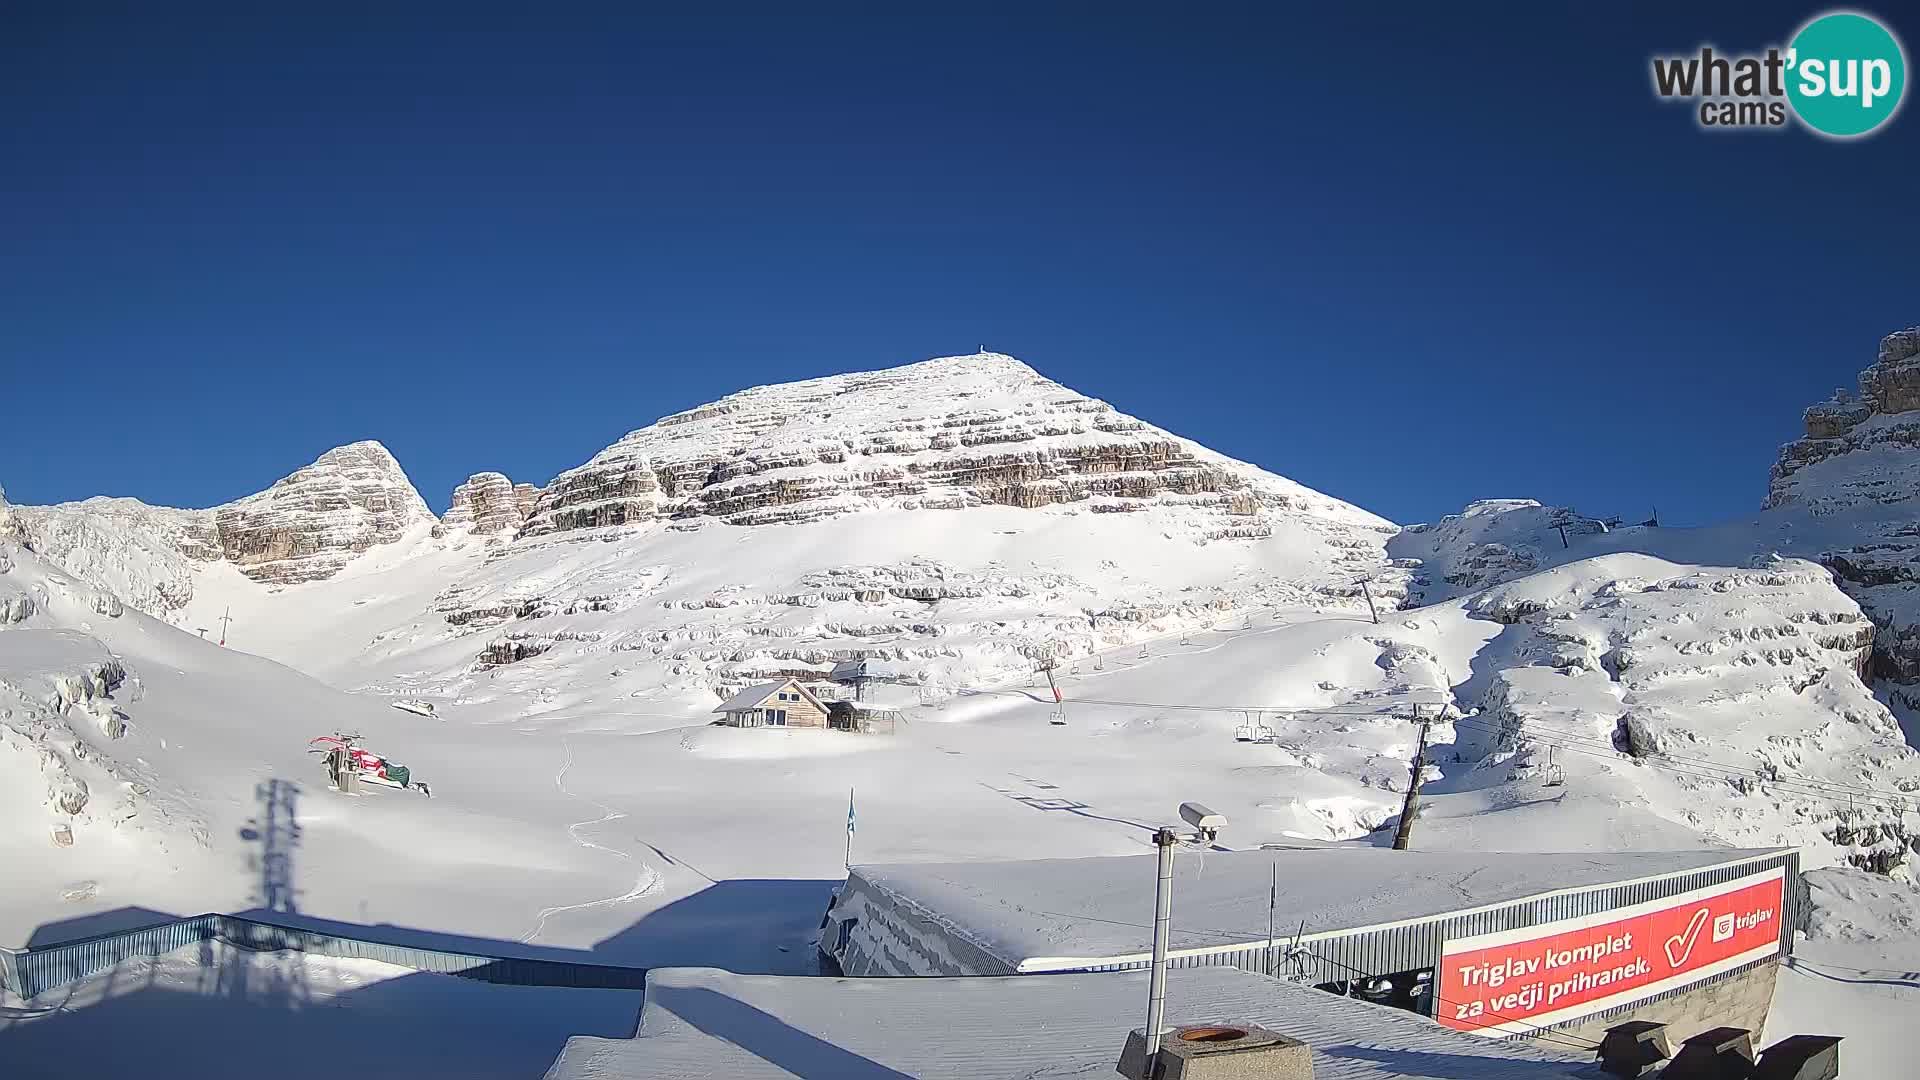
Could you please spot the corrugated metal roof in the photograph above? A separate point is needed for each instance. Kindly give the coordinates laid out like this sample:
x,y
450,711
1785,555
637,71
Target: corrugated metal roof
x,y
700,1023
1075,913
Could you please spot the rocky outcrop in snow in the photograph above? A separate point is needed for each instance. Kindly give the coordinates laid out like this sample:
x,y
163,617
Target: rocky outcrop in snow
x,y
1860,459
1735,691
949,433
310,523
145,555
489,504
57,701
1490,542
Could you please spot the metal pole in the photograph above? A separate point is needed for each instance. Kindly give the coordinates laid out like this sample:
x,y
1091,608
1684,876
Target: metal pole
x,y
1273,902
1368,593
1164,839
1411,807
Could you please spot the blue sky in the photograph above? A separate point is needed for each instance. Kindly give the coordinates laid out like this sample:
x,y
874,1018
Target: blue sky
x,y
1412,255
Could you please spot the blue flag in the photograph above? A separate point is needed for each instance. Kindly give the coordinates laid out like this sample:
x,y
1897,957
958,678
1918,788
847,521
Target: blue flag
x,y
849,811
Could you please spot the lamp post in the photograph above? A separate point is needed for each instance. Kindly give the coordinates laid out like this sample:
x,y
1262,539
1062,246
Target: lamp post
x,y
1206,825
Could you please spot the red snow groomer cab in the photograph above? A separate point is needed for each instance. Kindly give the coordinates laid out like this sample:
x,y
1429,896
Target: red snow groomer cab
x,y
368,767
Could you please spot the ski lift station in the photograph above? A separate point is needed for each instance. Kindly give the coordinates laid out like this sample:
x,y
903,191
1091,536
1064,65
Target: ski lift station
x,y
1496,944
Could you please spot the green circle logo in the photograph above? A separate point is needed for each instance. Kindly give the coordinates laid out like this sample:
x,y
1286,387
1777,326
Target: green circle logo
x,y
1846,74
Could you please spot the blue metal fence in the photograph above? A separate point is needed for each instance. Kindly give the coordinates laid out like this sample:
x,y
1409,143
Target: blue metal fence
x,y
32,971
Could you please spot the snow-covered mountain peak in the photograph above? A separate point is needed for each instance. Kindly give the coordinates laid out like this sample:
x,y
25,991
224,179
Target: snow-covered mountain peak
x,y
940,378
948,433
312,521
1488,507
306,526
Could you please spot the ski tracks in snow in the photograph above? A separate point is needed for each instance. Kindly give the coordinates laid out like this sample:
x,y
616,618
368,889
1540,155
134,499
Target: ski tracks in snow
x,y
649,879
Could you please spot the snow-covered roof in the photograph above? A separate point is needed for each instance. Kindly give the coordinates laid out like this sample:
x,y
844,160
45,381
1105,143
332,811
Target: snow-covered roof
x,y
1049,914
700,1023
752,696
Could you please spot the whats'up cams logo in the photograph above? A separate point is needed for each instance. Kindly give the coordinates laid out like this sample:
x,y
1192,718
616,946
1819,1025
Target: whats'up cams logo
x,y
1842,76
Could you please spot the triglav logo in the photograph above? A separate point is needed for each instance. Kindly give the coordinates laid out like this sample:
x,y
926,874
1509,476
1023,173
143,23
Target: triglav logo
x,y
1843,75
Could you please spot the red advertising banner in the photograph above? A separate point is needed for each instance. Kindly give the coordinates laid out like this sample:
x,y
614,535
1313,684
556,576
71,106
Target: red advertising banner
x,y
1515,980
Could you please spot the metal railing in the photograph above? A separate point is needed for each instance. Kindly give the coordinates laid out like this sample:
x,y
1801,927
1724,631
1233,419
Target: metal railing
x,y
35,970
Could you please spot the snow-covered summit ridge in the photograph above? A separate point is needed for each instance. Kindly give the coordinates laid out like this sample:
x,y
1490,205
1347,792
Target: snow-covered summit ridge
x,y
306,526
1489,542
946,433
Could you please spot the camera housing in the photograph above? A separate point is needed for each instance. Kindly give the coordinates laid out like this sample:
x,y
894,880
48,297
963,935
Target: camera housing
x,y
1202,818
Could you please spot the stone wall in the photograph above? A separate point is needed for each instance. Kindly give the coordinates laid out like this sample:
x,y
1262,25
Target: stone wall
x,y
1739,1000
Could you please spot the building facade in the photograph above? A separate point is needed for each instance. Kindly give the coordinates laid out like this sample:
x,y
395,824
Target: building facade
x,y
1495,944
783,704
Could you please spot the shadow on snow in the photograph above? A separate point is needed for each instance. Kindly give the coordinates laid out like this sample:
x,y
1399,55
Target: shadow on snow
x,y
233,1011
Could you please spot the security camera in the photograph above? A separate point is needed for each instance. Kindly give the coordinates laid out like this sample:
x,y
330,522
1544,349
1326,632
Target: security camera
x,y
1202,818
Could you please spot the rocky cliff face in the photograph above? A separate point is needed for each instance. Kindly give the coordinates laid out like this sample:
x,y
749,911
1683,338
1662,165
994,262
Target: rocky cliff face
x,y
309,524
949,433
1860,460
1874,434
489,504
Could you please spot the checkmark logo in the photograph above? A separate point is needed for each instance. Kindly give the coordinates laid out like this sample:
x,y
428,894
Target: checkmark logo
x,y
1680,946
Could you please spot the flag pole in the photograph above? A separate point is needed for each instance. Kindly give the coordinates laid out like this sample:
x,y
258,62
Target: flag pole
x,y
849,827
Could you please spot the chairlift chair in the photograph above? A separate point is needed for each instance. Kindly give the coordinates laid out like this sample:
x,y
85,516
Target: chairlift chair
x,y
1058,718
1556,776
